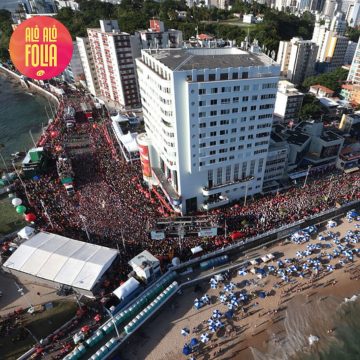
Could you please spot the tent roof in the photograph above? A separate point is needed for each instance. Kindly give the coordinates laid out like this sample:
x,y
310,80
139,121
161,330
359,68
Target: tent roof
x,y
126,288
119,118
196,249
63,260
129,141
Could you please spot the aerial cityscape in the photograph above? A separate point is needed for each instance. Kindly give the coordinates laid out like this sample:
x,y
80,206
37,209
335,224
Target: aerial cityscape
x,y
188,187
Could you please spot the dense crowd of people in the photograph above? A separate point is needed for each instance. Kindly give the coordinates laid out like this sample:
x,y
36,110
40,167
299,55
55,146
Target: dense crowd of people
x,y
112,204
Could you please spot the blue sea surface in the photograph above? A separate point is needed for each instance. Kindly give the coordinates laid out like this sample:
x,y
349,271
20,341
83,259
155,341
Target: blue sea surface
x,y
10,5
20,112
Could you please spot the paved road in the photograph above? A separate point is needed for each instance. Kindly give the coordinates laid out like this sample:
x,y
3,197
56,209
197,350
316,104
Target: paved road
x,y
12,299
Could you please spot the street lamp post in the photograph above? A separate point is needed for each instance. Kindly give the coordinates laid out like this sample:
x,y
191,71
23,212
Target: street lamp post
x,y
246,191
4,162
181,233
307,174
113,320
46,213
21,181
21,292
83,219
330,188
355,187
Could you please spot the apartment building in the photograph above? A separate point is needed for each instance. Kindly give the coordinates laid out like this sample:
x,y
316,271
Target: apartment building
x,y
114,64
88,65
297,59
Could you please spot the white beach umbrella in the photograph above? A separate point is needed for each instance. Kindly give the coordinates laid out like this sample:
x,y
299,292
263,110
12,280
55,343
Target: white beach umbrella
x,y
216,314
212,327
219,324
185,332
204,338
242,272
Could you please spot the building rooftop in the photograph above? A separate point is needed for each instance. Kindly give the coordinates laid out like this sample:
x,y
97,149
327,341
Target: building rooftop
x,y
329,136
188,59
276,138
296,137
327,102
143,260
322,88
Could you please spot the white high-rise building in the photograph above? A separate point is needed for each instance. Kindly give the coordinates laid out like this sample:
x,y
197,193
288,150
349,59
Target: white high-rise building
x,y
353,14
297,59
354,73
88,65
330,8
208,115
114,64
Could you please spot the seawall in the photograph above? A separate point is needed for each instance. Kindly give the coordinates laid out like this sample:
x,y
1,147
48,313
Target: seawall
x,y
30,85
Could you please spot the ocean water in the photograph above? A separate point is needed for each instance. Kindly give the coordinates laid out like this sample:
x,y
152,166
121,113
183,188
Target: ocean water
x,y
10,5
20,112
345,344
314,316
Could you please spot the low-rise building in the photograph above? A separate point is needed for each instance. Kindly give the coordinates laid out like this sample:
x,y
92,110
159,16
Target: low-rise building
x,y
288,102
321,91
347,121
155,37
67,3
146,266
349,158
310,144
351,93
249,18
276,162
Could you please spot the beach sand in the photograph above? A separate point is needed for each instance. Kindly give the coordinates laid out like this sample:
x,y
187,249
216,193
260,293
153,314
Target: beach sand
x,y
276,327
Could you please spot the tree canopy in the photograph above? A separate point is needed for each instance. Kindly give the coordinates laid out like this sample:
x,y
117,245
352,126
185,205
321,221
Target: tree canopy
x,y
133,15
310,107
332,80
5,33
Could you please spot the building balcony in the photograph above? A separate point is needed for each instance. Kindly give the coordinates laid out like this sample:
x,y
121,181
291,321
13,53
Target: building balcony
x,y
213,203
166,187
215,189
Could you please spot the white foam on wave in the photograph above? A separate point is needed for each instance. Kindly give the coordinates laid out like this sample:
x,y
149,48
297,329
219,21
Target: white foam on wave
x,y
313,339
352,299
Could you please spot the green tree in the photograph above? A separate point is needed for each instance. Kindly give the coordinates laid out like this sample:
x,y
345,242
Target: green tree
x,y
353,34
310,108
5,33
332,80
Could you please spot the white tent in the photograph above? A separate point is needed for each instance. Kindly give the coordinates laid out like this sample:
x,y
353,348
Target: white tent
x,y
119,118
26,232
129,141
196,249
126,288
62,260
